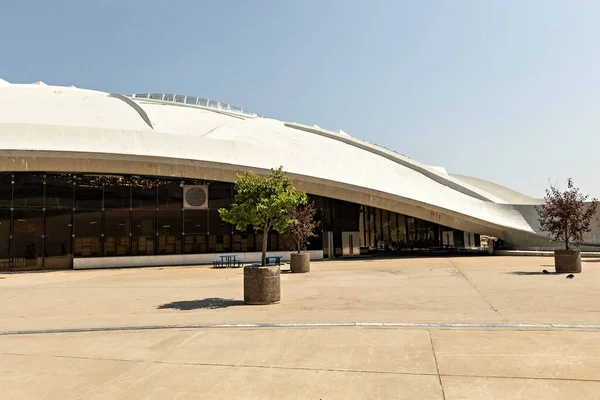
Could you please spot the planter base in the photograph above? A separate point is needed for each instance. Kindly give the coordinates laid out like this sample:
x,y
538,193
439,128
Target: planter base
x,y
262,285
567,261
300,262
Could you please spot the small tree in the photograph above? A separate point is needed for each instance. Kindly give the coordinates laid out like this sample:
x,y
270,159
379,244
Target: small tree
x,y
565,215
297,233
264,203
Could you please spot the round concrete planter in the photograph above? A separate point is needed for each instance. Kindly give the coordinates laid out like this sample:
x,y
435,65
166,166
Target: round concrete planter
x,y
262,285
567,261
300,262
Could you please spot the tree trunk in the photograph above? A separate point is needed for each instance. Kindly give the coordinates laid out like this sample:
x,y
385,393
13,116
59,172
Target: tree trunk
x,y
567,238
298,246
264,245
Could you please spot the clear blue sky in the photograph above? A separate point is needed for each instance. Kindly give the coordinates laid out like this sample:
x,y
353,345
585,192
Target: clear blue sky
x,y
507,91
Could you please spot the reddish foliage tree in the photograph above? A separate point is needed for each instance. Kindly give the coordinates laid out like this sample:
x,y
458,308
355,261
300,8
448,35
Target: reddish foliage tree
x,y
565,215
296,234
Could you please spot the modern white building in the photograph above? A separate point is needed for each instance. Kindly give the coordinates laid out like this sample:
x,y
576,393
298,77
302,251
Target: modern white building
x,y
93,179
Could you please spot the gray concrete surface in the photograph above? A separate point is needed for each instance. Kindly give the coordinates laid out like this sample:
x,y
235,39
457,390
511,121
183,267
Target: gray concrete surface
x,y
510,361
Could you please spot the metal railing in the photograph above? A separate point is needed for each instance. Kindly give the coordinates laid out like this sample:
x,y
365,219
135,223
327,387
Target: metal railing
x,y
195,101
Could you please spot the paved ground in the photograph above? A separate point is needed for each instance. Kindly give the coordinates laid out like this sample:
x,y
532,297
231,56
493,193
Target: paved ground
x,y
512,332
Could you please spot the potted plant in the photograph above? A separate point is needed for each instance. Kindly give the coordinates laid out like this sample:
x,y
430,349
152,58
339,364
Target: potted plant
x,y
297,233
264,203
566,217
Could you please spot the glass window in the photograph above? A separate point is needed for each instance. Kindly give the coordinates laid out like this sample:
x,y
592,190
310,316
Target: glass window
x,y
170,227
87,227
28,227
156,96
170,196
195,221
385,225
411,230
378,231
194,243
191,100
219,243
5,190
259,241
394,226
401,228
28,190
202,102
220,233
273,244
168,97
219,195
57,239
88,192
195,228
422,232
143,194
213,103
459,238
170,223
361,227
180,98
116,233
216,224
143,230
346,216
59,191
4,239
243,241
316,242
117,192
370,227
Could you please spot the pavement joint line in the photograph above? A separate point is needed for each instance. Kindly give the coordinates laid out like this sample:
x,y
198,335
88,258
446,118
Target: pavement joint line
x,y
428,325
437,366
141,362
228,365
477,290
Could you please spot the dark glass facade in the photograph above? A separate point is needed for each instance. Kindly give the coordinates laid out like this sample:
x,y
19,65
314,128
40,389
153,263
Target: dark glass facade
x,y
47,219
383,230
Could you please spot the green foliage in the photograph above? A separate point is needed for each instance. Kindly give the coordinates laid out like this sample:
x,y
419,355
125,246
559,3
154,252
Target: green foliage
x,y
565,215
263,202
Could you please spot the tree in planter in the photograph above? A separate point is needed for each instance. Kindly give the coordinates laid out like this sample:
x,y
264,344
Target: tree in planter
x,y
565,215
297,234
264,203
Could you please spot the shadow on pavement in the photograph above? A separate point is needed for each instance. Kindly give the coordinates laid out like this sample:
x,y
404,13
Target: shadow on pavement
x,y
531,273
210,303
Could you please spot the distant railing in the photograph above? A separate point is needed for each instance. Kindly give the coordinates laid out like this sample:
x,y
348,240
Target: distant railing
x,y
196,101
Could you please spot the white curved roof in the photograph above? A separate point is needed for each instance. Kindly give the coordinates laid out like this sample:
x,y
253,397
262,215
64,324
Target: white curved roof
x,y
71,120
504,194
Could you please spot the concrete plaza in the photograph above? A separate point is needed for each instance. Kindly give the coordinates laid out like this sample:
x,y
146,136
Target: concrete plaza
x,y
424,328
